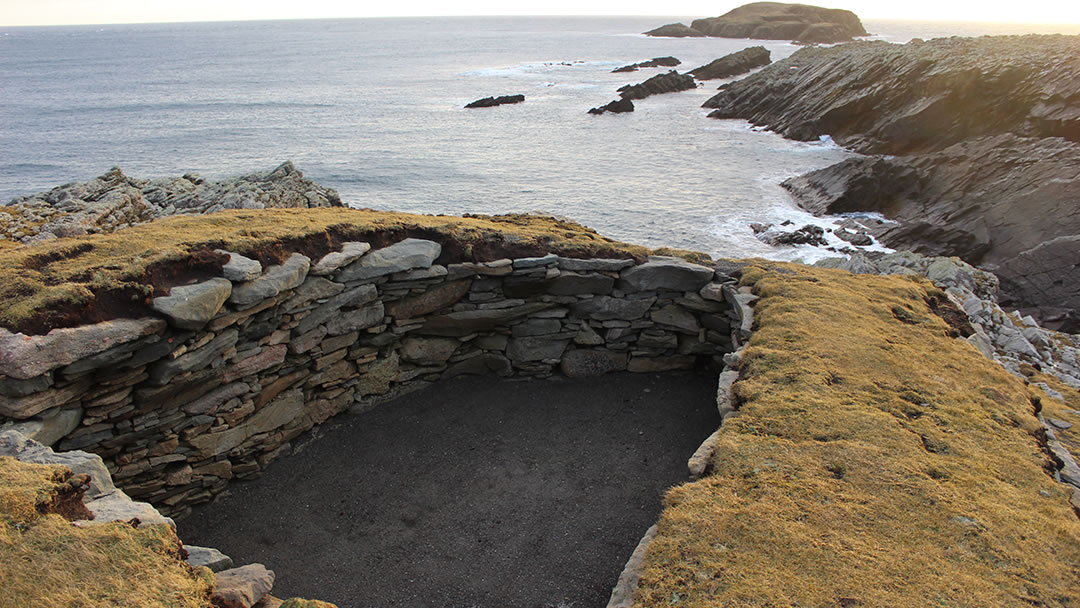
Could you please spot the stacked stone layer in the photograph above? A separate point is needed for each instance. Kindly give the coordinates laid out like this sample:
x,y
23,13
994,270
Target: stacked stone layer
x,y
237,367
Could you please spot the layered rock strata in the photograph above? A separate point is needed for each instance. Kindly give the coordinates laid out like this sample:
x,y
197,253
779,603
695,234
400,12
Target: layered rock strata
x,y
734,64
115,200
235,368
669,82
979,142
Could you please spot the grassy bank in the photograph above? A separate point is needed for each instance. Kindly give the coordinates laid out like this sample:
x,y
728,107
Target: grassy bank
x,y
876,461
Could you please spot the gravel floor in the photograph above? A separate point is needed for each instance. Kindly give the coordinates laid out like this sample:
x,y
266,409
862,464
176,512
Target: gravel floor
x,y
477,492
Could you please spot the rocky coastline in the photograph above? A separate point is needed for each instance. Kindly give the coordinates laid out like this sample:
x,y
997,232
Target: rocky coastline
x,y
772,21
981,163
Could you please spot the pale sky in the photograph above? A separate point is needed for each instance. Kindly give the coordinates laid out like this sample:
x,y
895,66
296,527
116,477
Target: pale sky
x,y
65,12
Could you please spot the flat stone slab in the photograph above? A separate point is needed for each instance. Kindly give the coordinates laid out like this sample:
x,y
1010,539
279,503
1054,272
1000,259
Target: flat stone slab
x,y
275,280
25,357
24,449
404,255
192,306
350,252
242,587
240,268
665,273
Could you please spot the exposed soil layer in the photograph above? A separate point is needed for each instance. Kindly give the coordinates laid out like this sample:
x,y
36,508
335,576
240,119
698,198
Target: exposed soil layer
x,y
476,492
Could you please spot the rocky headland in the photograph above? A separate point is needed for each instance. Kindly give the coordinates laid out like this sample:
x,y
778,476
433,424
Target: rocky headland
x,y
734,64
773,21
974,144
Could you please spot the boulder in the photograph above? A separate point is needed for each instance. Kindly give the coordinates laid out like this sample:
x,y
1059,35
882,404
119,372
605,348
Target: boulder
x,y
117,506
734,64
403,255
242,587
675,30
207,557
490,102
580,363
24,357
606,308
240,268
192,306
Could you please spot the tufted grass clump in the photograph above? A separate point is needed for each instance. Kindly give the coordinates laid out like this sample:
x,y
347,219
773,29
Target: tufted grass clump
x,y
47,561
875,461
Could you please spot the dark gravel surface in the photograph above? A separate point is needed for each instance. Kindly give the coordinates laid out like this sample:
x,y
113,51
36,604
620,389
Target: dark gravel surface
x,y
477,492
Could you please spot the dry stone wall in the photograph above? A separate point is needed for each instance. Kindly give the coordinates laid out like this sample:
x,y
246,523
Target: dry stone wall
x,y
232,369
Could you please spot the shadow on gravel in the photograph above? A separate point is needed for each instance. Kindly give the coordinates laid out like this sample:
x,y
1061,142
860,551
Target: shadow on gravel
x,y
477,492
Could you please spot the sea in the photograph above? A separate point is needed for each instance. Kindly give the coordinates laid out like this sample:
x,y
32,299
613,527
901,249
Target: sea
x,y
375,109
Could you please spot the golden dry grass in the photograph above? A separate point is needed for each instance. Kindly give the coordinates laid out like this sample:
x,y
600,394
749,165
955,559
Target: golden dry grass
x,y
876,462
48,562
41,278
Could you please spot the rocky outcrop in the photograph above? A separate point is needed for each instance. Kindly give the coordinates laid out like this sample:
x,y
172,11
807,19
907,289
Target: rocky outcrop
x,y
983,144
781,21
114,200
490,102
675,30
618,106
735,64
670,82
656,62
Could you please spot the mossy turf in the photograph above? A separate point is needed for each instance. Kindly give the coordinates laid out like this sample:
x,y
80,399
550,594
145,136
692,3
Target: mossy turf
x,y
86,279
875,461
48,562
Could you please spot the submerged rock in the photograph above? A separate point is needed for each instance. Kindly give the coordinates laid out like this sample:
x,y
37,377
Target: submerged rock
x,y
734,64
656,62
780,21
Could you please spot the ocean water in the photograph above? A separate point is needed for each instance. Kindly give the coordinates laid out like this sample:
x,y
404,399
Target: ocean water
x,y
374,108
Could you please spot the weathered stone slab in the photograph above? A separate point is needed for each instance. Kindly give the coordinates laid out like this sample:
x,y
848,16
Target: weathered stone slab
x,y
594,265
433,299
713,291
242,587
550,258
586,363
50,427
536,348
275,280
536,327
192,306
587,336
487,363
361,318
404,255
353,297
208,557
698,464
622,596
665,273
240,268
466,322
25,449
269,357
164,371
117,506
428,351
660,364
25,357
566,284
25,407
270,392
725,396
210,402
376,380
606,308
676,317
350,252
13,387
419,274
313,288
281,411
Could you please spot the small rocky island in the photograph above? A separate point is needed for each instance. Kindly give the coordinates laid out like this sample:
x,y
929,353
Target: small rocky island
x,y
773,21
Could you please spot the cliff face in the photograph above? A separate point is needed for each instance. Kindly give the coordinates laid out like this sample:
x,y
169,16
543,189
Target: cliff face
x,y
985,142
